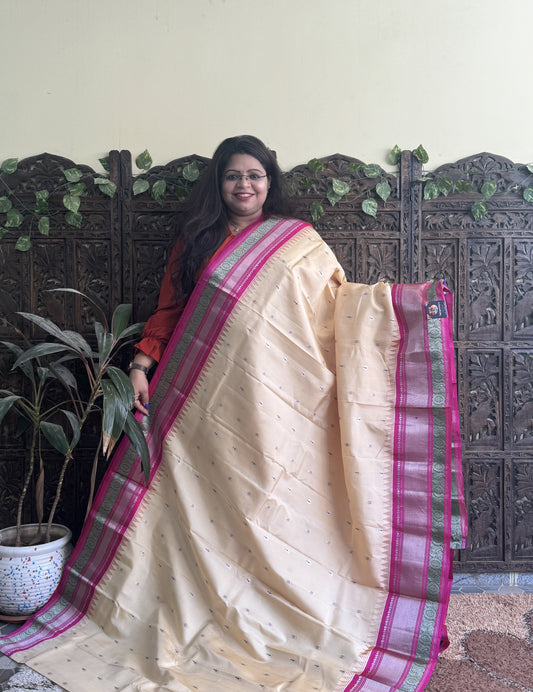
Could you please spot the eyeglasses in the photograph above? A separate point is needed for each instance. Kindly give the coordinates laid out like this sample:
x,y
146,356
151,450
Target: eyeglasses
x,y
234,177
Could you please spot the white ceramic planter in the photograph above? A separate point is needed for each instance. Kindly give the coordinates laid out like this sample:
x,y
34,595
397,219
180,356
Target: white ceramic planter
x,y
30,574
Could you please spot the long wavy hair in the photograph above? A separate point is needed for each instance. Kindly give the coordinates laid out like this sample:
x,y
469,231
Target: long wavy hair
x,y
206,215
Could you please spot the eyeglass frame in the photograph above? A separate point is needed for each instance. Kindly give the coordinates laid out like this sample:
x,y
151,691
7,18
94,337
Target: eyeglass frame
x,y
237,177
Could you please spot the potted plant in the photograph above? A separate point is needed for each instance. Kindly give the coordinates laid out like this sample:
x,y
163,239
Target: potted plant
x,y
53,407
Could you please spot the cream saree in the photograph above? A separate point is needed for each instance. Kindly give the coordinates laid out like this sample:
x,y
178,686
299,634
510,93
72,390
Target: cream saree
x,y
305,493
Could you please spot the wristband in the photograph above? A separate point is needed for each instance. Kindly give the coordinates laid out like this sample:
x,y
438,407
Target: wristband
x,y
137,366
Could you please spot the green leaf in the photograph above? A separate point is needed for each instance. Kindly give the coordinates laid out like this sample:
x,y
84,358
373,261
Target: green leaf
x,y
372,170
73,175
71,202
395,155
370,206
77,189
73,219
64,375
122,384
315,166
355,168
17,351
77,341
9,166
132,331
120,319
44,225
488,188
479,210
182,191
316,210
306,183
6,403
431,190
106,186
159,190
114,416
73,340
140,186
3,231
191,172
13,218
529,167
5,205
528,194
463,186
41,201
332,197
38,351
56,436
340,187
23,243
75,425
105,163
144,160
135,434
383,189
444,186
421,154
104,341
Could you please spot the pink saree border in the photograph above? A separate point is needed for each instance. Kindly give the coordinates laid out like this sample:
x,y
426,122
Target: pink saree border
x,y
412,623
243,259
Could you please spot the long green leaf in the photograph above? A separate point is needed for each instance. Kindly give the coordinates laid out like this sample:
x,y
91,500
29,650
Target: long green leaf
x,y
94,306
6,403
135,434
64,375
75,425
120,319
38,351
123,385
132,330
114,416
17,351
56,436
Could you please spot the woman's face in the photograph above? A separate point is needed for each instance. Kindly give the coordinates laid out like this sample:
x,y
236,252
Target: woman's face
x,y
244,188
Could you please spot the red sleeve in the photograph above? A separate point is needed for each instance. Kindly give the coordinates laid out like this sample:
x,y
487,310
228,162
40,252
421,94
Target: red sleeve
x,y
159,327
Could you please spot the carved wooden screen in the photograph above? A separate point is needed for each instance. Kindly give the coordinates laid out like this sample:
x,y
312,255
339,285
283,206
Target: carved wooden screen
x,y
121,254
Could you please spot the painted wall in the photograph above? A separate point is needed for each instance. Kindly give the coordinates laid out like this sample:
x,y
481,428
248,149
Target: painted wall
x,y
310,77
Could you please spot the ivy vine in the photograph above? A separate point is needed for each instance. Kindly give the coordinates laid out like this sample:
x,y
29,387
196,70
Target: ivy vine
x,y
27,220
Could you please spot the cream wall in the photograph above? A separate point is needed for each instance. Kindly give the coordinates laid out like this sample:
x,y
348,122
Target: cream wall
x,y
310,77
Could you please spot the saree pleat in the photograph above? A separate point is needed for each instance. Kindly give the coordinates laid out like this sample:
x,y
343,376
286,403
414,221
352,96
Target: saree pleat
x,y
305,492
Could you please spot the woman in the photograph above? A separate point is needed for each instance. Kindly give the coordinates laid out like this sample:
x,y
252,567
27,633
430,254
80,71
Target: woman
x,y
296,531
242,184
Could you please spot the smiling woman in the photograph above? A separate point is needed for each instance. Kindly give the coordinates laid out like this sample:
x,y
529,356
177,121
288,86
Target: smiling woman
x,y
245,186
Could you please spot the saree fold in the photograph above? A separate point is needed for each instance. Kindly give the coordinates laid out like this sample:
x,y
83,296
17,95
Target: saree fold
x,y
305,492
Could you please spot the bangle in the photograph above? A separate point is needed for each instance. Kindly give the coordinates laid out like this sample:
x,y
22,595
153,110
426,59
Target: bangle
x,y
137,366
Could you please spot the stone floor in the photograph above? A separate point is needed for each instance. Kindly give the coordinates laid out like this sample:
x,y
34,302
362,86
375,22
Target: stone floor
x,y
15,677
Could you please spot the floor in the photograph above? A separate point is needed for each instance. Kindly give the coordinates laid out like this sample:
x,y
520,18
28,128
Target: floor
x,y
15,677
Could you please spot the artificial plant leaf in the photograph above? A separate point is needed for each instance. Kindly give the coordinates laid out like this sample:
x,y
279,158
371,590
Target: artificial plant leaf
x,y
421,154
339,187
71,202
370,206
140,186
23,243
6,403
316,210
73,219
463,186
5,205
332,197
55,435
14,218
41,201
315,166
73,175
75,425
395,155
77,189
44,225
9,166
191,172
479,210
113,418
355,168
120,319
306,182
106,186
528,194
144,160
372,170
444,185
105,163
135,434
383,189
431,190
159,189
488,188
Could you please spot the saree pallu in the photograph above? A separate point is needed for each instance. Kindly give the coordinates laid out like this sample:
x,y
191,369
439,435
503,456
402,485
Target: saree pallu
x,y
305,493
